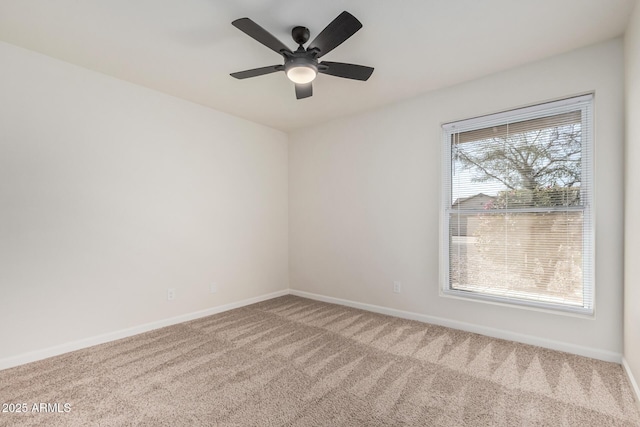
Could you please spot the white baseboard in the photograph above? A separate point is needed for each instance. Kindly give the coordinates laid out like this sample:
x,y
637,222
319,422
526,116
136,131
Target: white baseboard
x,y
593,353
632,379
33,356
608,356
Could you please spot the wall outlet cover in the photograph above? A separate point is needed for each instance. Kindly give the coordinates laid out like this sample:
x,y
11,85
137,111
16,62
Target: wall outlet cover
x,y
397,287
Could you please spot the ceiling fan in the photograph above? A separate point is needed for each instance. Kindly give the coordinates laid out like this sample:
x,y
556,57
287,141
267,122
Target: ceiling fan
x,y
301,66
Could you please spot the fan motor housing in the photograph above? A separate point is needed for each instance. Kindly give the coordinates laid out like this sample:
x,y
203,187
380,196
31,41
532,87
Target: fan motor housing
x,y
293,62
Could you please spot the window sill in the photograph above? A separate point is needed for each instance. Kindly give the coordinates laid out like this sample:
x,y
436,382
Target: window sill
x,y
563,310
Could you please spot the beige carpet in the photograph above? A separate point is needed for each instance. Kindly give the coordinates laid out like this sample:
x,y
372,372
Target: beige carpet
x,y
296,362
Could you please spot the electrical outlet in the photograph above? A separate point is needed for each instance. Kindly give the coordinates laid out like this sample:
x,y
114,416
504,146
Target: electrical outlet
x,y
171,294
213,288
397,287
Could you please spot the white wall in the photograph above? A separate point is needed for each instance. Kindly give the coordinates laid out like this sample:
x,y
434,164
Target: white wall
x,y
632,202
364,196
111,193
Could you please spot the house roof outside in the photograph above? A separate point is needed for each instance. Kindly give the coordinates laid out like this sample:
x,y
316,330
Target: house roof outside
x,y
477,201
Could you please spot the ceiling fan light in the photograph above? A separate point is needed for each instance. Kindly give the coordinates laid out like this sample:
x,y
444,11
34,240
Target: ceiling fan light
x,y
301,74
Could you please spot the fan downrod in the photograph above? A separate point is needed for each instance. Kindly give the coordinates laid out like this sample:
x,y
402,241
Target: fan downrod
x,y
300,35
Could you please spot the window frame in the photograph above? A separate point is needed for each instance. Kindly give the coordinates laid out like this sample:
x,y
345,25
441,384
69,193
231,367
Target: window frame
x,y
587,194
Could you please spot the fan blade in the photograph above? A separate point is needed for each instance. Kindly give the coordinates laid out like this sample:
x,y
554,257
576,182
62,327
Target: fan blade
x,y
257,72
348,71
334,34
304,91
258,33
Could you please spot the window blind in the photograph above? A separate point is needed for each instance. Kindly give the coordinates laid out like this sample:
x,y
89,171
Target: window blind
x,y
517,200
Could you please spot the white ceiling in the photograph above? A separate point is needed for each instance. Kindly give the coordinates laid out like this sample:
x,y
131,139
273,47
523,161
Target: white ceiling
x,y
187,48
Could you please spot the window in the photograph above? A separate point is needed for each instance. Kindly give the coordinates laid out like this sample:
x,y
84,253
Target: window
x,y
517,203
